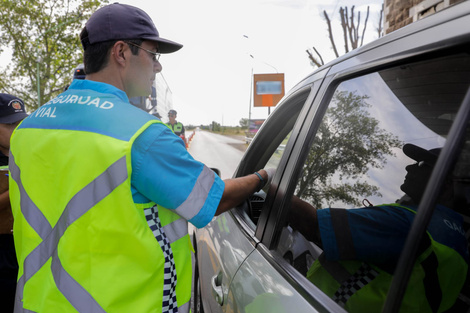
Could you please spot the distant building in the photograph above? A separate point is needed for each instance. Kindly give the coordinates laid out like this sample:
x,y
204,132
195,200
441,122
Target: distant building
x,y
161,99
399,13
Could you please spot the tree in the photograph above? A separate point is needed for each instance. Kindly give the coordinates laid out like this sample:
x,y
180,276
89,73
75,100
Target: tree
x,y
215,126
244,122
348,143
351,33
43,35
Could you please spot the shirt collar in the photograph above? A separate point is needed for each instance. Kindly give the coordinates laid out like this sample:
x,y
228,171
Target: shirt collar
x,y
100,87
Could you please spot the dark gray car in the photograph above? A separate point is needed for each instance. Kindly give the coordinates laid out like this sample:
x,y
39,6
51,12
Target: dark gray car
x,y
336,141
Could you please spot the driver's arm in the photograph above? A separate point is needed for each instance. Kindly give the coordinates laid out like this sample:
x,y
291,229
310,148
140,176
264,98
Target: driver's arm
x,y
238,190
303,217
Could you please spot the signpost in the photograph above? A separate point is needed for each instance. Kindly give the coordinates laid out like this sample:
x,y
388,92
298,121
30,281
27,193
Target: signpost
x,y
269,89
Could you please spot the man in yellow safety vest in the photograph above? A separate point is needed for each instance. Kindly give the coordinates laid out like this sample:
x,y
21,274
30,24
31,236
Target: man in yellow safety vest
x,y
102,191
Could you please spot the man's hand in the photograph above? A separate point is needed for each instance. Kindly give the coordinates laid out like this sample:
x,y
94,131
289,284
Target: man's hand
x,y
239,189
270,174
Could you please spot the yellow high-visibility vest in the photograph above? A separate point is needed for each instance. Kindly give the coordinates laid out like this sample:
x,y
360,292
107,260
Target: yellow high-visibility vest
x,y
82,243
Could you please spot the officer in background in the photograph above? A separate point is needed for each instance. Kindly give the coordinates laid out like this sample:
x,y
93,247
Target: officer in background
x,y
176,127
361,246
102,191
12,112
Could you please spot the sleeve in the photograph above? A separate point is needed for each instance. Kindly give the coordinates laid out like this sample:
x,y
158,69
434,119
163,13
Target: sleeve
x,y
375,234
165,173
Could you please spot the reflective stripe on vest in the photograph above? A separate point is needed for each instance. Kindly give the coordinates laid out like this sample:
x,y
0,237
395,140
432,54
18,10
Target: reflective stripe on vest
x,y
79,204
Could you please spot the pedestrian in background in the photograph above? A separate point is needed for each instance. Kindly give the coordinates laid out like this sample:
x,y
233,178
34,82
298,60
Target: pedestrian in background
x,y
102,191
12,111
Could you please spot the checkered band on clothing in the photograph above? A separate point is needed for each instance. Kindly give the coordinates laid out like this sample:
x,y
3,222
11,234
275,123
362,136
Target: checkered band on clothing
x,y
364,275
169,285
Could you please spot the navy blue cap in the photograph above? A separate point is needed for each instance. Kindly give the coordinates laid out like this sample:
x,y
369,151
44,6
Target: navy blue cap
x,y
419,154
120,22
172,112
11,109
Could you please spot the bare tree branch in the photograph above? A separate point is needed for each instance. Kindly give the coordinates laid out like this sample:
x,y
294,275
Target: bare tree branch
x,y
319,55
365,25
330,33
351,30
379,29
356,30
344,25
313,59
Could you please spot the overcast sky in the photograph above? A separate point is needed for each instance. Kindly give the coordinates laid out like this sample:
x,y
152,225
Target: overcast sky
x,y
210,77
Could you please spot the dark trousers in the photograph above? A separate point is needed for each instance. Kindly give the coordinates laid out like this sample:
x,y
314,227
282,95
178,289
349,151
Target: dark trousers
x,y
8,273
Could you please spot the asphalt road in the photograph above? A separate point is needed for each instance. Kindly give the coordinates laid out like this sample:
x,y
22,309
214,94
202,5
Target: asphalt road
x,y
218,151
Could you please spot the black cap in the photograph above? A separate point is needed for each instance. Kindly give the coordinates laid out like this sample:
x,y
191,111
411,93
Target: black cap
x,y
172,112
121,21
419,154
11,109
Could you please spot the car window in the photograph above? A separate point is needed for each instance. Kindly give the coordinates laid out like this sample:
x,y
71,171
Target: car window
x,y
268,147
275,158
363,179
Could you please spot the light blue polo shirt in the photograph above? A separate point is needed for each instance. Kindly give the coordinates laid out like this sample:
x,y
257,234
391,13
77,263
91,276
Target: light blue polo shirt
x,y
378,233
162,170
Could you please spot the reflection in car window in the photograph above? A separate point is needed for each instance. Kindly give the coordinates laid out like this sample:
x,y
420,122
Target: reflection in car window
x,y
365,172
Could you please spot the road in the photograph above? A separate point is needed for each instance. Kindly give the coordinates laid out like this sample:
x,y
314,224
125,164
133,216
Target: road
x,y
214,150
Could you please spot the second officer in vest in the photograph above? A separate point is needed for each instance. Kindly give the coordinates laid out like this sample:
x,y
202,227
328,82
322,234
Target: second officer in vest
x,y
177,127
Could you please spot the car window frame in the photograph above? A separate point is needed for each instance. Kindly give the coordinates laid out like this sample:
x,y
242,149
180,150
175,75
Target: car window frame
x,y
311,84
288,181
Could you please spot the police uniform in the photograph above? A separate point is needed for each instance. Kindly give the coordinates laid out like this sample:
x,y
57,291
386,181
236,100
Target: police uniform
x,y
177,128
362,247
101,225
12,110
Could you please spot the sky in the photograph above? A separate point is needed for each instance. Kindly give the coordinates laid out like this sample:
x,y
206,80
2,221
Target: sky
x,y
224,42
210,77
